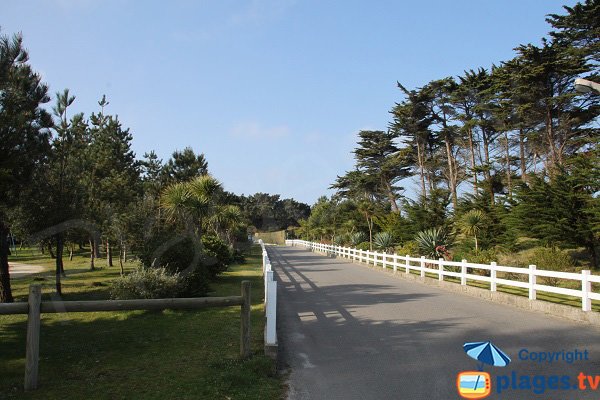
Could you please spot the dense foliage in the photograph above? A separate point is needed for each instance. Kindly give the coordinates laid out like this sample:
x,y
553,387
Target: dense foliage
x,y
501,156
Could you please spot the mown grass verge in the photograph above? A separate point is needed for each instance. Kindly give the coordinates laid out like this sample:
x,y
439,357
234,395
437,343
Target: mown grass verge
x,y
137,354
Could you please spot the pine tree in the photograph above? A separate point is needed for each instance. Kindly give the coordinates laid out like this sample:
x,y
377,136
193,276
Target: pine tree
x,y
378,155
24,137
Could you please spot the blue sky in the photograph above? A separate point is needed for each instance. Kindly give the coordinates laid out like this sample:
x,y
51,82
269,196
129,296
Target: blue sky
x,y
273,92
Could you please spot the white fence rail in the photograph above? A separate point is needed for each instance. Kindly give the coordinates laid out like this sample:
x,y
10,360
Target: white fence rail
x,y
443,268
270,299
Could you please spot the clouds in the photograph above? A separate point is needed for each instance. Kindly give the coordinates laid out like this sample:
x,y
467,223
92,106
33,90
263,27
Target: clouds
x,y
254,130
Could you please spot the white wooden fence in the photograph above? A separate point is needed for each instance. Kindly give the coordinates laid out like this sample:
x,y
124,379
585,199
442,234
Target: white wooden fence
x,y
270,299
442,268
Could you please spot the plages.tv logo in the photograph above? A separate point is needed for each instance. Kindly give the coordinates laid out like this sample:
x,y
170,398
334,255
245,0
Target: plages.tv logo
x,y
477,384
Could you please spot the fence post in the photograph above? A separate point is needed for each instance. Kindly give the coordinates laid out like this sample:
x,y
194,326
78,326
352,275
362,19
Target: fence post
x,y
407,264
493,276
384,260
441,269
32,352
463,273
532,282
245,318
395,261
422,266
586,289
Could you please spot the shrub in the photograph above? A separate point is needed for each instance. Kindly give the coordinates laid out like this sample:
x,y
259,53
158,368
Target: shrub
x,y
217,255
411,248
170,250
357,238
146,283
552,259
340,240
363,246
194,283
383,241
482,257
434,243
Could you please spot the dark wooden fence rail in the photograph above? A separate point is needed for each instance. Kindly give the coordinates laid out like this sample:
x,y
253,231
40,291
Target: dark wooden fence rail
x,y
35,307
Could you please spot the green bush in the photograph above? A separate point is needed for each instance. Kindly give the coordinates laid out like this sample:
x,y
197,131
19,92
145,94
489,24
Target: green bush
x,y
552,259
216,255
363,246
434,243
383,241
170,250
411,248
193,283
146,283
357,238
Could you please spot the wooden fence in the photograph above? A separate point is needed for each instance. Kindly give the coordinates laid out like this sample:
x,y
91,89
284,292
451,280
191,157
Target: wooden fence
x,y
35,307
463,270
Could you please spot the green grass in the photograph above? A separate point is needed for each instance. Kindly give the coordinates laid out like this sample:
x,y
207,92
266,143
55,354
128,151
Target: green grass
x,y
137,354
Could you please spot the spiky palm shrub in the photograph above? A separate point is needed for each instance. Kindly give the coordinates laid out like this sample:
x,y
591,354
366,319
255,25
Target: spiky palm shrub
x,y
340,240
357,238
434,243
384,241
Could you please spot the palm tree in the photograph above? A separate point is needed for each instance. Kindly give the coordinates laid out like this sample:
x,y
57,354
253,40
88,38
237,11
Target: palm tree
x,y
226,220
471,223
193,202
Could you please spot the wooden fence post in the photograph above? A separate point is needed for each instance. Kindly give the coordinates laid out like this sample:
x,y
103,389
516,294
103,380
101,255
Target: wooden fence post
x,y
245,318
32,352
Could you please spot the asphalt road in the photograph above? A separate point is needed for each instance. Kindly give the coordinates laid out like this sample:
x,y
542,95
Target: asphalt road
x,y
349,332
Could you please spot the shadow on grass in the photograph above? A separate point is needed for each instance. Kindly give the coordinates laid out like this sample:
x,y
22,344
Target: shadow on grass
x,y
169,354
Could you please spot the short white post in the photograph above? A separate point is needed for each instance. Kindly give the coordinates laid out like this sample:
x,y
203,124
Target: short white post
x,y
271,311
463,273
360,255
586,289
407,264
422,266
384,260
441,269
493,276
395,261
532,282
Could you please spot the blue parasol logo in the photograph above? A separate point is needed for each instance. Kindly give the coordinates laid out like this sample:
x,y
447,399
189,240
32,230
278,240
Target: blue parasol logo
x,y
486,353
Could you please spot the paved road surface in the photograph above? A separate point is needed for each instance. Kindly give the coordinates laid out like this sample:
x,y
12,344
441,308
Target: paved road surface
x,y
348,332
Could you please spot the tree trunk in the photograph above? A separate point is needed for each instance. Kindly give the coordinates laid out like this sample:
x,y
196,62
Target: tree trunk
x,y
52,255
59,262
109,261
508,172
486,171
522,155
421,169
71,250
391,196
92,254
451,173
96,247
5,290
473,164
121,253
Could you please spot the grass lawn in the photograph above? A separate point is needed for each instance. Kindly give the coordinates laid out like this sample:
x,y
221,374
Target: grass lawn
x,y
138,354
